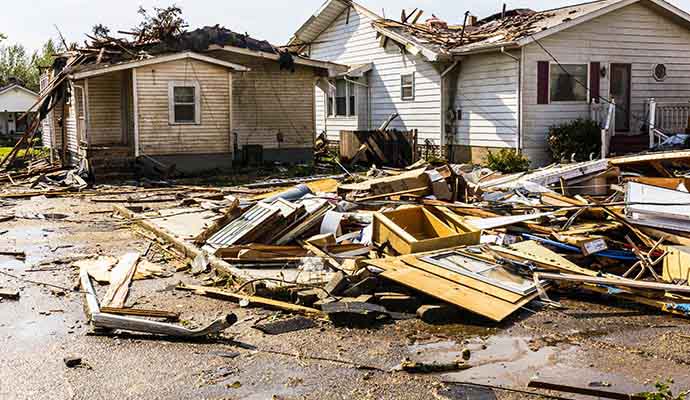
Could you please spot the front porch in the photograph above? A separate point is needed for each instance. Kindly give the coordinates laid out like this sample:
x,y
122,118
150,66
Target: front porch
x,y
661,120
104,118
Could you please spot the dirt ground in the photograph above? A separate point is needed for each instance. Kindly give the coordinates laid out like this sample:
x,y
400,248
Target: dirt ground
x,y
594,341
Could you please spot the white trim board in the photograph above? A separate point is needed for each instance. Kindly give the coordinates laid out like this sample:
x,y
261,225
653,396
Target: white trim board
x,y
158,60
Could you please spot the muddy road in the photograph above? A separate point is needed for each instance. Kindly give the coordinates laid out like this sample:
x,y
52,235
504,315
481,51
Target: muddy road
x,y
593,341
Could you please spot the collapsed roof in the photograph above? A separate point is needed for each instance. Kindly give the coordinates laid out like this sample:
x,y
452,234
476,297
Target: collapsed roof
x,y
495,30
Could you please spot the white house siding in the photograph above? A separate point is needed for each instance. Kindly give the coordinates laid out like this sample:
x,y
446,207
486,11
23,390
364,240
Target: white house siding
x,y
71,132
105,109
488,100
354,42
46,123
157,136
635,35
17,100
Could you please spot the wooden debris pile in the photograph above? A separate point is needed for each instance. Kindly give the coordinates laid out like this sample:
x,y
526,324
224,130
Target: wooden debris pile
x,y
436,242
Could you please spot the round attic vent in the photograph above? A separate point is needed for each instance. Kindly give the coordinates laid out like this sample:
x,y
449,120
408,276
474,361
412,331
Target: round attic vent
x,y
659,72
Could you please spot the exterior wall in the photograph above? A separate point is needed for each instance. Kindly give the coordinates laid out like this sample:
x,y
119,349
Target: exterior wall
x,y
157,136
73,153
353,41
269,102
47,129
105,111
17,100
487,101
635,35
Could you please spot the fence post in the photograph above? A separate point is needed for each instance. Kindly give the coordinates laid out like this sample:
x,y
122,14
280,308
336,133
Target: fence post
x,y
652,121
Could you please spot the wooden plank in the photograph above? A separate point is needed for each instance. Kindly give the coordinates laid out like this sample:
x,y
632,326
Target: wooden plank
x,y
484,287
637,159
120,278
141,312
450,292
602,394
187,249
540,255
629,283
225,294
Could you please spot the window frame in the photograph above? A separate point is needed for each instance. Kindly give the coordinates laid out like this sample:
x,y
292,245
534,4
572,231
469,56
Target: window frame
x,y
171,102
412,86
331,104
587,89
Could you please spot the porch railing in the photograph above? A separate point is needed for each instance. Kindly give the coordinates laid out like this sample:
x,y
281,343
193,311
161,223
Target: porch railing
x,y
666,119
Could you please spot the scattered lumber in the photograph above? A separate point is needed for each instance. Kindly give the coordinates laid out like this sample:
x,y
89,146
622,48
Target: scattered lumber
x,y
270,303
121,277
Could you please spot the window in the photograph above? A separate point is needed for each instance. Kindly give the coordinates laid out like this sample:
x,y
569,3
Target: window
x,y
568,82
340,98
343,101
407,87
660,72
184,102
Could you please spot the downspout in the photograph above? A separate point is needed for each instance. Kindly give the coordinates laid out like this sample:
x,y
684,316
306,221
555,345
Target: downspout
x,y
518,142
444,101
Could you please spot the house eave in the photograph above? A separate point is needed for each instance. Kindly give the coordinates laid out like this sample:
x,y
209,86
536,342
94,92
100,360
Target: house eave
x,y
429,54
326,65
157,60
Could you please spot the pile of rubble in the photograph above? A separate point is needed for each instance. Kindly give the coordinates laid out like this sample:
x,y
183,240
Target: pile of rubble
x,y
437,242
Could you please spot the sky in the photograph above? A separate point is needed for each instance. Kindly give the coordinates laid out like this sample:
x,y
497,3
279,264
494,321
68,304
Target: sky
x,y
32,22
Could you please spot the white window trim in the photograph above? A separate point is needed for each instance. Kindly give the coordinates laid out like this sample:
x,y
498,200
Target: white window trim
x,y
171,102
556,65
347,101
414,84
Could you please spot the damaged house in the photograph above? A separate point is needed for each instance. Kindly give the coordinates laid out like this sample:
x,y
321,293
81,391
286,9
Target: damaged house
x,y
199,101
503,81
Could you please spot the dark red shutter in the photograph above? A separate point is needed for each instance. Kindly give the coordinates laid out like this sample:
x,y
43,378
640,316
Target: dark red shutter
x,y
594,80
543,82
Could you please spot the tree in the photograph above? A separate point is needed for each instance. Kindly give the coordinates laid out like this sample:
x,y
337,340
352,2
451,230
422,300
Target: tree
x,y
15,62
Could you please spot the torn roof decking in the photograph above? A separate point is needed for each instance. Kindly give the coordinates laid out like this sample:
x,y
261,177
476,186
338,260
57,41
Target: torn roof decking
x,y
114,54
517,28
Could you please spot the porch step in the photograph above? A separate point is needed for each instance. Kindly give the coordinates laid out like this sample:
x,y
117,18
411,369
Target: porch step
x,y
623,144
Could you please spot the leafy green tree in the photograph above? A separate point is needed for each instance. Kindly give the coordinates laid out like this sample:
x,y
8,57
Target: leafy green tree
x,y
15,62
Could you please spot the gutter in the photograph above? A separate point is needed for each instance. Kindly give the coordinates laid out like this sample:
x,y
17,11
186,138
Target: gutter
x,y
518,142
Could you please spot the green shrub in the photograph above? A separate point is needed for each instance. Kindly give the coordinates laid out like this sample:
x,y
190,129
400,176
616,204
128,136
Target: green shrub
x,y
663,392
507,161
581,137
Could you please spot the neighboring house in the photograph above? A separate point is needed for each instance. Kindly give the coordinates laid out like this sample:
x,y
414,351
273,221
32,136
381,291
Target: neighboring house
x,y
15,101
505,80
198,106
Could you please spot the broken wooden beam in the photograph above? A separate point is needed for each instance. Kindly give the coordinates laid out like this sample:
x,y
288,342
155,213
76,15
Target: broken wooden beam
x,y
629,283
187,249
263,301
603,394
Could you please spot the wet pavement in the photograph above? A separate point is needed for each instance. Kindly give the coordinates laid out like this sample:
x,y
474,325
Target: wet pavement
x,y
592,342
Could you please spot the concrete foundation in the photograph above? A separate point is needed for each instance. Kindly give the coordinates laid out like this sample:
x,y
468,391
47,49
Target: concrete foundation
x,y
194,163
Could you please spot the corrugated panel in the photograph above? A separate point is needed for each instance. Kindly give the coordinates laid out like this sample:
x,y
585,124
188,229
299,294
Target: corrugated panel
x,y
235,231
